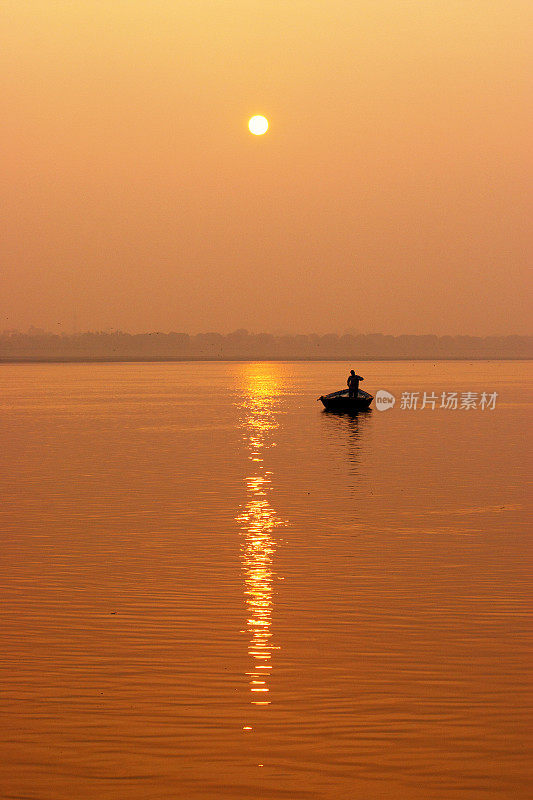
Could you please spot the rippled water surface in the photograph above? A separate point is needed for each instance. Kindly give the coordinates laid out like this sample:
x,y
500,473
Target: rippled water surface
x,y
213,589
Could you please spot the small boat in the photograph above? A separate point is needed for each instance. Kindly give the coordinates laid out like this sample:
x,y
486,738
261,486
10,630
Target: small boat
x,y
343,403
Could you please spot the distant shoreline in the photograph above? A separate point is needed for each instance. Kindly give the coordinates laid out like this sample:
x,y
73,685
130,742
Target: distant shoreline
x,y
210,359
39,347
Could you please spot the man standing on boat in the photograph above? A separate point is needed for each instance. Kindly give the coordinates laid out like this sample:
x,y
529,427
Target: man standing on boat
x,y
353,383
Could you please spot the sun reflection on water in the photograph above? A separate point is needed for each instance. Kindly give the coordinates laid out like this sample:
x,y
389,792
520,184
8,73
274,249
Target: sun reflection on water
x,y
258,520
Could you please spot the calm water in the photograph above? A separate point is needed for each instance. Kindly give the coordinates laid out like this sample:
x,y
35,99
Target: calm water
x,y
213,589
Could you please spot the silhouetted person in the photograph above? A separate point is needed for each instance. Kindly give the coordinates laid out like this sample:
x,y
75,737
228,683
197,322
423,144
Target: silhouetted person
x,y
353,383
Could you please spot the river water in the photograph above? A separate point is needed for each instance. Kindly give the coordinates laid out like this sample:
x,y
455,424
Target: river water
x,y
213,589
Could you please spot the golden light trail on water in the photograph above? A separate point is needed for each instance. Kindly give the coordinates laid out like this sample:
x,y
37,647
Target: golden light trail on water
x,y
258,520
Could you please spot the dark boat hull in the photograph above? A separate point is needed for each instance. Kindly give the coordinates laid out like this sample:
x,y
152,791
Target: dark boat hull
x,y
343,404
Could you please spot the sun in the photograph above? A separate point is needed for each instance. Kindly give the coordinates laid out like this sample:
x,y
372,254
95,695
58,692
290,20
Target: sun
x,y
258,125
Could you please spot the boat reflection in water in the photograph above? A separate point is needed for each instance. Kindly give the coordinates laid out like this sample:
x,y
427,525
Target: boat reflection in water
x,y
348,436
258,519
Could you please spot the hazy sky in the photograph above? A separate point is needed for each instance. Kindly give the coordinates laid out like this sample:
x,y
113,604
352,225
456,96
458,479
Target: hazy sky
x,y
392,192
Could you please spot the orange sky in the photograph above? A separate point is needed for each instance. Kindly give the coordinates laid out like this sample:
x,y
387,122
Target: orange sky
x,y
392,192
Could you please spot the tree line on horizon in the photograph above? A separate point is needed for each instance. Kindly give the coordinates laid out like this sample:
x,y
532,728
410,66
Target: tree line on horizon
x,y
240,344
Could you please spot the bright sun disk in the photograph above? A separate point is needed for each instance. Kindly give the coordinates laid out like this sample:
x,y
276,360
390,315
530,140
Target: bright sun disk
x,y
258,125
